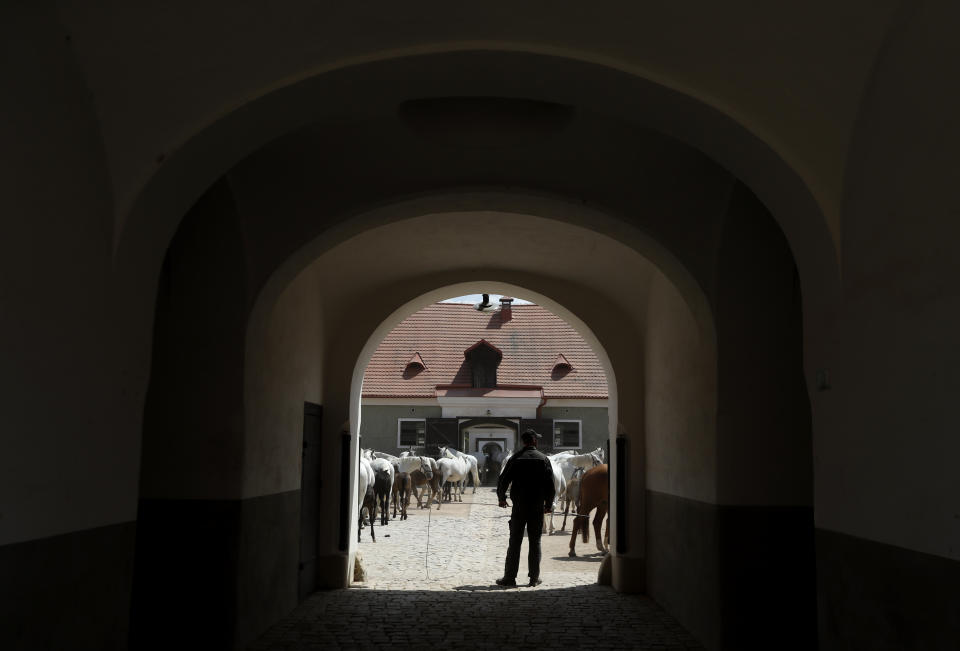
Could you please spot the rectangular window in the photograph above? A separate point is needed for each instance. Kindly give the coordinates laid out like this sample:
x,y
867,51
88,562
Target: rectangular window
x,y
566,434
411,432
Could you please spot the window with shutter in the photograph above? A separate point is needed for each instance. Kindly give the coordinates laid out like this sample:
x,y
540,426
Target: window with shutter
x,y
567,434
411,432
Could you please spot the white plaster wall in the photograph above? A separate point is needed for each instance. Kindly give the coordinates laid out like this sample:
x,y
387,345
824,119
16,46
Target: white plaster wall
x,y
681,398
521,411
284,368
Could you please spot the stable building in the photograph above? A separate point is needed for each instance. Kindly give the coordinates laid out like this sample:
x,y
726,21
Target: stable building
x,y
453,375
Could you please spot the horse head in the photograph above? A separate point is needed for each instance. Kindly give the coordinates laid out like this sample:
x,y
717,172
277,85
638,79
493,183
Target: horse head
x,y
426,468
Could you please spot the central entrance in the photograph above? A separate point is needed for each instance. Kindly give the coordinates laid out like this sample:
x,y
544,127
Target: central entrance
x,y
488,439
493,443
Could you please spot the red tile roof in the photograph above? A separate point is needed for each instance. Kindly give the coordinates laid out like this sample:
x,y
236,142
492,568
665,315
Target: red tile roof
x,y
530,340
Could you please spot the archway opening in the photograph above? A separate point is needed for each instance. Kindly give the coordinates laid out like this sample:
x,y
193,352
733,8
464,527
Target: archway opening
x,y
315,317
462,378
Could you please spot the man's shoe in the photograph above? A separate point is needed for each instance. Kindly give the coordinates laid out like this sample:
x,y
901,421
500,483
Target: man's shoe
x,y
507,582
534,583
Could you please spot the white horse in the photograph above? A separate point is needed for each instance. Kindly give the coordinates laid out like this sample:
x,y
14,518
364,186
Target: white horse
x,y
385,455
569,461
364,480
471,460
559,489
427,477
385,466
453,470
409,464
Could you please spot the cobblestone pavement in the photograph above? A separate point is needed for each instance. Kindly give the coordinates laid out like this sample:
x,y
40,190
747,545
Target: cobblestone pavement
x,y
452,600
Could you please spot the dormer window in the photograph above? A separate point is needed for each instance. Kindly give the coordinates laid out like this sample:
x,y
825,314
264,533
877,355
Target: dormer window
x,y
484,358
561,364
415,363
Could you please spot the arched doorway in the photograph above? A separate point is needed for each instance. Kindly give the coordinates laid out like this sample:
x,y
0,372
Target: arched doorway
x,y
680,284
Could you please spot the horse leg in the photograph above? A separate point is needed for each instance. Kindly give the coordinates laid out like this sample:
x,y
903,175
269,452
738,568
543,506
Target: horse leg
x,y
566,510
573,537
597,521
440,493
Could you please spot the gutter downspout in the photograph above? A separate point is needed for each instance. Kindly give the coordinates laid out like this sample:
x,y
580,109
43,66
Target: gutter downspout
x,y
543,401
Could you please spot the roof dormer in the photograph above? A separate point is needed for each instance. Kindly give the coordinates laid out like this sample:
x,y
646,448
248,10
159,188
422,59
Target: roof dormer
x,y
415,363
484,358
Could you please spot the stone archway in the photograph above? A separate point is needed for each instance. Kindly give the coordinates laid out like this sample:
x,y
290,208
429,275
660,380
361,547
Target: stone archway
x,y
277,262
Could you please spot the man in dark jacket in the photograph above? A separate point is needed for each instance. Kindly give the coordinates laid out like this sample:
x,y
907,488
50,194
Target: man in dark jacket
x,y
529,476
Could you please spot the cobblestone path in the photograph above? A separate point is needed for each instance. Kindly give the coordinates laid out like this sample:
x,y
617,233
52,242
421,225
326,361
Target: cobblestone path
x,y
453,601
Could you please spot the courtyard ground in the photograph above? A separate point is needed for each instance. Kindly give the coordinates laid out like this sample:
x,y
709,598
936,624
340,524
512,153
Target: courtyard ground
x,y
421,594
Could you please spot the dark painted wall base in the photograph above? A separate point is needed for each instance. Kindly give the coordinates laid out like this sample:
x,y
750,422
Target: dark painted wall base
x,y
738,577
214,572
682,573
879,597
67,592
269,563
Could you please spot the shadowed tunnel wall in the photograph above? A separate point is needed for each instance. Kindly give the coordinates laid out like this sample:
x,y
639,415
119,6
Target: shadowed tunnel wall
x,y
730,519
217,529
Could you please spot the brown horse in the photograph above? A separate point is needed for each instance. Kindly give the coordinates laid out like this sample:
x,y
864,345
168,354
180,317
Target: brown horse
x,y
594,494
572,496
401,493
431,485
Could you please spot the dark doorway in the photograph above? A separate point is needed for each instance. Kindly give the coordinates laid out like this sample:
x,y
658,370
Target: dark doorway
x,y
309,499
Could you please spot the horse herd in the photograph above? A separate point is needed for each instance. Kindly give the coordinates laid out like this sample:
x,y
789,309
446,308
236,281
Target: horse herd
x,y
580,481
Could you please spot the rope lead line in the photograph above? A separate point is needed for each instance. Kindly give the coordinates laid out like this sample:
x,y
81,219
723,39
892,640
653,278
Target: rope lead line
x,y
426,556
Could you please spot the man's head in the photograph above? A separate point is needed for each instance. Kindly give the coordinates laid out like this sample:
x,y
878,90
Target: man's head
x,y
530,437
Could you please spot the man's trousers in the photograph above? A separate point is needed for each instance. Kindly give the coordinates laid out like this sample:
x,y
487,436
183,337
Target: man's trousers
x,y
529,517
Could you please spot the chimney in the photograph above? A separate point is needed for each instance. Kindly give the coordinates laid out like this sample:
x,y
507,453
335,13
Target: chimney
x,y
505,313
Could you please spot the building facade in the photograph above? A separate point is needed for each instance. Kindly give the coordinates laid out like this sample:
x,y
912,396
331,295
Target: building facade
x,y
454,375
